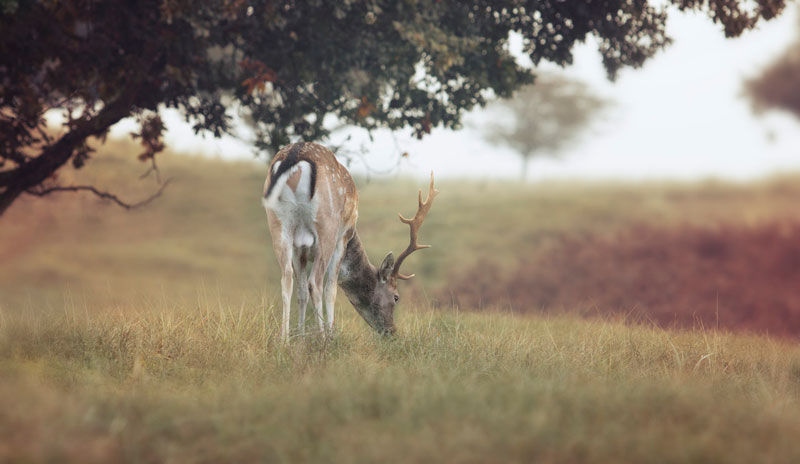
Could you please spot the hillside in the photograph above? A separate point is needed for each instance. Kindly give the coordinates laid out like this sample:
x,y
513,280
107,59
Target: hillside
x,y
720,255
150,335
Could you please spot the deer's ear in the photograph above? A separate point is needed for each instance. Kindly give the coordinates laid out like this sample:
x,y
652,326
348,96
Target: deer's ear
x,y
386,267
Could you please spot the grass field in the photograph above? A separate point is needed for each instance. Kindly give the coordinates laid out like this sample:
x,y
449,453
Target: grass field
x,y
150,335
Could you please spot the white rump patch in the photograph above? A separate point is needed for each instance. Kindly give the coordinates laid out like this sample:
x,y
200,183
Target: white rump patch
x,y
303,192
296,210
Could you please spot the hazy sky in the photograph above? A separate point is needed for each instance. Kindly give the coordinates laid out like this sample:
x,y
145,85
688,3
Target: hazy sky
x,y
682,116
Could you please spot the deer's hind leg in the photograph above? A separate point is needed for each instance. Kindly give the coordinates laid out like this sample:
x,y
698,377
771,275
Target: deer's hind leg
x,y
331,277
284,254
284,251
325,250
300,262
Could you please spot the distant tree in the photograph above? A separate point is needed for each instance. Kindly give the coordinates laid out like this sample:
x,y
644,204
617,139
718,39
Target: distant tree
x,y
545,118
287,65
778,85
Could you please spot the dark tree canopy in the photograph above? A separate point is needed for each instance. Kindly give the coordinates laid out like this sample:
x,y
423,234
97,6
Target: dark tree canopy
x,y
547,117
778,86
288,65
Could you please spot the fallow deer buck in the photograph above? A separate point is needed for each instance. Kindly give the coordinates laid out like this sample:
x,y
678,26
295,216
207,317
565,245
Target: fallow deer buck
x,y
312,207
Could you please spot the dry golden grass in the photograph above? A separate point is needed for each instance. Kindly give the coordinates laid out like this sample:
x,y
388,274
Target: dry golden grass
x,y
211,384
150,336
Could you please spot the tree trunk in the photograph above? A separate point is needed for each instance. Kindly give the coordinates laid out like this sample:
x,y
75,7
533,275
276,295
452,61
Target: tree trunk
x,y
523,176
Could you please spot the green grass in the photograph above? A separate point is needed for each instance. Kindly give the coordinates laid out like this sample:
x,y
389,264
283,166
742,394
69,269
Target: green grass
x,y
150,336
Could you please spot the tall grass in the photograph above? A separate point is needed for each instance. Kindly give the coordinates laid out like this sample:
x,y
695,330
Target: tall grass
x,y
213,384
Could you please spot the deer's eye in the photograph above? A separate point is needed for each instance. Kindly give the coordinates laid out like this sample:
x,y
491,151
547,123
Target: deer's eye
x,y
396,298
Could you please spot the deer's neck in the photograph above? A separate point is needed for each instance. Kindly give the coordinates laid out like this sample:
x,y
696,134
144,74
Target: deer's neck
x,y
357,276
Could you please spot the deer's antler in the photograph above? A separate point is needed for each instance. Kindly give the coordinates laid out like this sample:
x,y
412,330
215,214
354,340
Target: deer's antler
x,y
415,224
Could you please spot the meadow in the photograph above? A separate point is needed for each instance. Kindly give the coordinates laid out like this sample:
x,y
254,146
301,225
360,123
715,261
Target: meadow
x,y
151,335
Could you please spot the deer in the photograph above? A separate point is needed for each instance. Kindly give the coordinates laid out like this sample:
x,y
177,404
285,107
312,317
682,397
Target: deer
x,y
311,203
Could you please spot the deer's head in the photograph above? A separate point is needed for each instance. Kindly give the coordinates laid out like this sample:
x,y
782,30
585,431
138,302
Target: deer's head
x,y
378,310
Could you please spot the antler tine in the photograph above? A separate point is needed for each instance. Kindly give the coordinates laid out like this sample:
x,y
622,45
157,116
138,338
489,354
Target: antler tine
x,y
414,224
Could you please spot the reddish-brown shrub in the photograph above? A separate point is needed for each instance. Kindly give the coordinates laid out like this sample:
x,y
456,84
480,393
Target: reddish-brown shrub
x,y
731,277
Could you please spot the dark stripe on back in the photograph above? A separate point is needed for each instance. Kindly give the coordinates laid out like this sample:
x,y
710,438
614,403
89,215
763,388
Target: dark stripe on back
x,y
295,155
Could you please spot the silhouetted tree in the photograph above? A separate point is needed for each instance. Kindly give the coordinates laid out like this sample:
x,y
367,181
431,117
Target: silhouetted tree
x,y
546,117
778,86
287,65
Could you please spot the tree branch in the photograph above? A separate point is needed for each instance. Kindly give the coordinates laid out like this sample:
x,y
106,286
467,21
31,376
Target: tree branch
x,y
101,194
154,169
52,157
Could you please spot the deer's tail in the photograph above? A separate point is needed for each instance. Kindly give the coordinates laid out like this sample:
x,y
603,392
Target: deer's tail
x,y
287,167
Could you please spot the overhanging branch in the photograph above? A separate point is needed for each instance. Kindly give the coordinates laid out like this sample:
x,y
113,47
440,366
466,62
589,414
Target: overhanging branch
x,y
26,177
100,193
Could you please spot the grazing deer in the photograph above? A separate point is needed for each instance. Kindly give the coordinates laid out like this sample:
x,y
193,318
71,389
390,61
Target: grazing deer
x,y
312,207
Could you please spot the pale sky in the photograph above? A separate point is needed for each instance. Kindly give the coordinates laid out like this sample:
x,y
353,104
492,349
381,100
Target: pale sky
x,y
682,116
